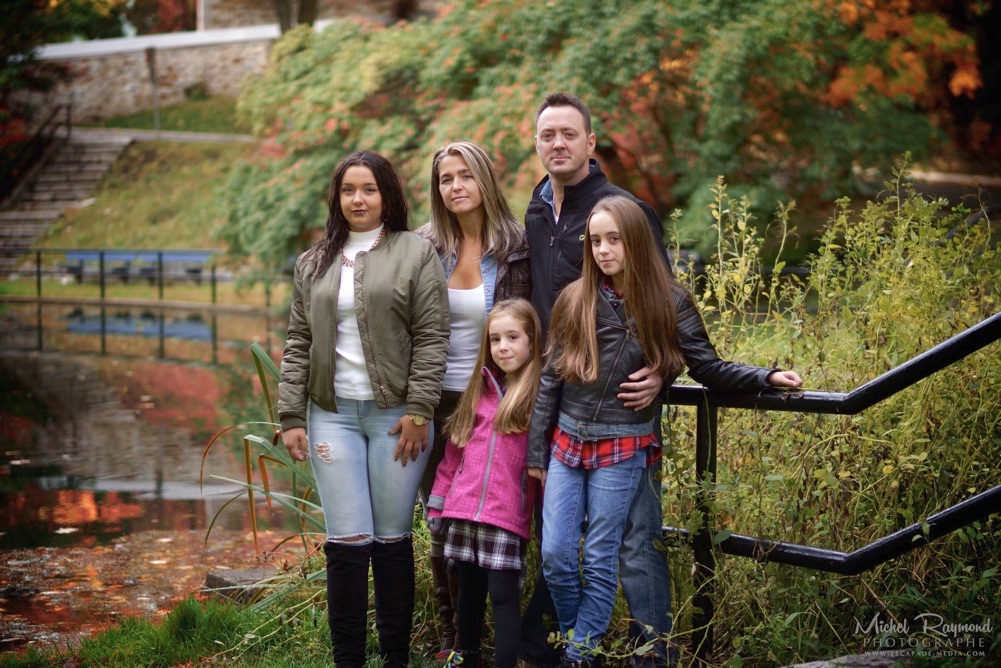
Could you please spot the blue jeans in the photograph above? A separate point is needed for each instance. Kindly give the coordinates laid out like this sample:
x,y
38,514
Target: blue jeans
x,y
643,571
584,598
364,492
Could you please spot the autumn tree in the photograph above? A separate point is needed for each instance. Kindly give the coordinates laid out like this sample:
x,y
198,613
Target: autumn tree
x,y
783,97
25,25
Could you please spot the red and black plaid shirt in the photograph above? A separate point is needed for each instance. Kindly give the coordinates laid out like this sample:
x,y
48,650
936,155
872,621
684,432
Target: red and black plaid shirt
x,y
607,451
589,455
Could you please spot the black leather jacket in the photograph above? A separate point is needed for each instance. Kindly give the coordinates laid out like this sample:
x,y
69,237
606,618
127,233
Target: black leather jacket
x,y
620,356
558,249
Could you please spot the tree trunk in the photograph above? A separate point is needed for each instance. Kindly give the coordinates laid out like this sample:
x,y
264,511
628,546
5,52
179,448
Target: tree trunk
x,y
307,12
284,11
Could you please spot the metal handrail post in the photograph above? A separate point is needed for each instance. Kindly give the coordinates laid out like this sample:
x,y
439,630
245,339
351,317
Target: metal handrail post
x,y
159,273
100,266
702,544
38,294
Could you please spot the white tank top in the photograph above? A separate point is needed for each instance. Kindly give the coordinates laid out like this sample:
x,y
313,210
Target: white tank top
x,y
467,308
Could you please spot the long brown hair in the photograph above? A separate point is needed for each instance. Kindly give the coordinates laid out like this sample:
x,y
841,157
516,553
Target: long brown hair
x,y
395,210
502,233
648,291
515,408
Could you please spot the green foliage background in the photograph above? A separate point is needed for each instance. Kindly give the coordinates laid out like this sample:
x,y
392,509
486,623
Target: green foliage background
x,y
888,283
681,91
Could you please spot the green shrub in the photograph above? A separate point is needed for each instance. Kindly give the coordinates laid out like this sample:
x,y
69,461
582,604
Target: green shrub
x,y
888,283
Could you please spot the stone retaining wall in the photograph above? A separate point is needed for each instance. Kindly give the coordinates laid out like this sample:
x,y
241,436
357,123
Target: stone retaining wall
x,y
112,77
233,13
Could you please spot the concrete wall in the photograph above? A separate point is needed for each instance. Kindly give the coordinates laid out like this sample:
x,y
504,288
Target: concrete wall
x,y
213,14
233,13
112,76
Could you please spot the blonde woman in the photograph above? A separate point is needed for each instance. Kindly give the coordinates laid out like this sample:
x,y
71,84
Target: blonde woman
x,y
484,254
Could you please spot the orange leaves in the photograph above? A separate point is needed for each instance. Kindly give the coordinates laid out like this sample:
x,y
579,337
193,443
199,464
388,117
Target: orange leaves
x,y
903,53
885,25
966,79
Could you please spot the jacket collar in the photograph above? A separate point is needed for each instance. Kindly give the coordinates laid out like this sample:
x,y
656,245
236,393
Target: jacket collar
x,y
594,180
493,382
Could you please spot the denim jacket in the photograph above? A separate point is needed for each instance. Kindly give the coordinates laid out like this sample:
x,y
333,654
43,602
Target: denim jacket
x,y
488,269
511,279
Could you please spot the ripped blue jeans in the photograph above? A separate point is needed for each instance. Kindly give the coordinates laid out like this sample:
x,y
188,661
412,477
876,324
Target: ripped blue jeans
x,y
363,491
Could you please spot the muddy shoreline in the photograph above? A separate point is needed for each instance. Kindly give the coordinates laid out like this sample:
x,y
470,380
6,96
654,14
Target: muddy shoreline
x,y
55,597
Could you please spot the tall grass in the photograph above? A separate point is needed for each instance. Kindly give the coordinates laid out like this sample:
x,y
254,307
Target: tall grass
x,y
888,283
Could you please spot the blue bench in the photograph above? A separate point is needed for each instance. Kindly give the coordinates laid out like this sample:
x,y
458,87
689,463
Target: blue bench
x,y
187,263
194,329
121,263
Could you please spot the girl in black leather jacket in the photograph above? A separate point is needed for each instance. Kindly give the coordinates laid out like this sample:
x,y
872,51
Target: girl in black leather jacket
x,y
612,321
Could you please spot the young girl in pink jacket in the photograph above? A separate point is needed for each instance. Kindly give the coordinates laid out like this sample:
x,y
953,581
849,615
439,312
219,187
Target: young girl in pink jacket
x,y
482,487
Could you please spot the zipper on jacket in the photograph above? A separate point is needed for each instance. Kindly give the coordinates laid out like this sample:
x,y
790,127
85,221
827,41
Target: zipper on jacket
x,y
615,365
486,475
490,452
368,335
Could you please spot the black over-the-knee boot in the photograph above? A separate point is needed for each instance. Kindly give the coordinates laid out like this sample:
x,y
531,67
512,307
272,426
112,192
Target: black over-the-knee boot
x,y
347,601
393,577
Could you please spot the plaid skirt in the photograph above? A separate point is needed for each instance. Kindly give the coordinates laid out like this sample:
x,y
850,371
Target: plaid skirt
x,y
486,546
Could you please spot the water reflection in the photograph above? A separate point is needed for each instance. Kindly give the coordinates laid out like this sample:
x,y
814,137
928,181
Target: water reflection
x,y
213,336
97,447
148,323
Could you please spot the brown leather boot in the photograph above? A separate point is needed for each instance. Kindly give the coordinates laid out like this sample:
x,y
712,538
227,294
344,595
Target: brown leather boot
x,y
446,604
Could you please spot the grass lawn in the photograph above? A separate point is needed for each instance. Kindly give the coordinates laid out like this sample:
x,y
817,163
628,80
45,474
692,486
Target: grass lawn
x,y
213,114
158,195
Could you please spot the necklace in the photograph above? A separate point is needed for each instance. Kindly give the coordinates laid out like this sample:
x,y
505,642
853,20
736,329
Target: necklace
x,y
351,263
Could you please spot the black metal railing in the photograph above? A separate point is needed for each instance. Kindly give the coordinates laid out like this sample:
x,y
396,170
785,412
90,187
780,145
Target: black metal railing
x,y
143,273
708,404
14,171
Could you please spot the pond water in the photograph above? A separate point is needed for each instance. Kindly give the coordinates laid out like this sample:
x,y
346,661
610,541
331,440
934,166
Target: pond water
x,y
102,435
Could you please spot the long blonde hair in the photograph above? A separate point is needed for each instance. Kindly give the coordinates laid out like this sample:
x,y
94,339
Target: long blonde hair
x,y
502,233
515,408
648,291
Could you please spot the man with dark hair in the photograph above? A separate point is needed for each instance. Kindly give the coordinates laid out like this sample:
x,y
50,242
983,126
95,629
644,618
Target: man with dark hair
x,y
555,223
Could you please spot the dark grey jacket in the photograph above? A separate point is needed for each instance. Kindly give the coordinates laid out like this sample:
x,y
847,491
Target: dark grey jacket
x,y
621,355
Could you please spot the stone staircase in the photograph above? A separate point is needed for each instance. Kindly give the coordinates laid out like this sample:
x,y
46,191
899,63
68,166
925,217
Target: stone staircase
x,y
66,180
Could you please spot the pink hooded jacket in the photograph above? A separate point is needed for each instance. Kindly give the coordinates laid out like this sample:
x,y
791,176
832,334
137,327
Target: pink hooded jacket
x,y
487,480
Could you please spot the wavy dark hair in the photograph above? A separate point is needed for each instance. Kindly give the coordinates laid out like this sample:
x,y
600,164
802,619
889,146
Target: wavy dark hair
x,y
395,210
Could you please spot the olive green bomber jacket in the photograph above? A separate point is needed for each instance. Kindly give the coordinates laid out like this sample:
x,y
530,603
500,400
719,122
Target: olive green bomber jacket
x,y
401,303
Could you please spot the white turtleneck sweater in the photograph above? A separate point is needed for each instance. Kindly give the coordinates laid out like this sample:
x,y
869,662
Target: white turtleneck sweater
x,y
351,379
